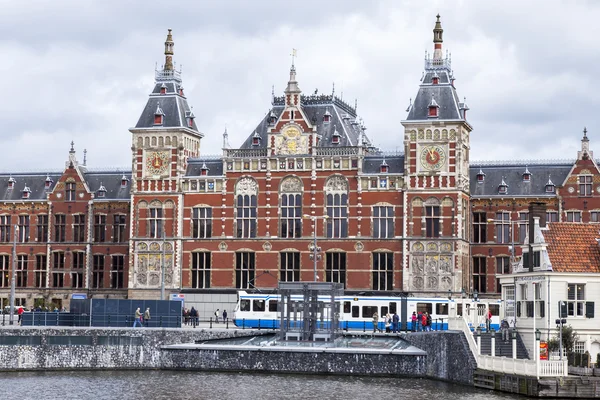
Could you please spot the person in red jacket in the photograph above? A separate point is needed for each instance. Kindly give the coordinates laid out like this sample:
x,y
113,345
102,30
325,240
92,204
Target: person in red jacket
x,y
488,320
424,321
19,314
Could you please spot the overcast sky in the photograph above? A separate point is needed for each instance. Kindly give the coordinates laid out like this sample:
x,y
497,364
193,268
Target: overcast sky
x,y
82,70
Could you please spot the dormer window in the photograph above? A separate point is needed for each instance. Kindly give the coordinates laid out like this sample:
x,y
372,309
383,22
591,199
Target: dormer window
x,y
433,108
101,191
502,187
327,117
526,175
384,167
48,183
158,115
124,181
204,169
463,107
272,118
26,192
163,89
480,176
435,79
335,138
190,118
181,91
256,139
11,183
550,188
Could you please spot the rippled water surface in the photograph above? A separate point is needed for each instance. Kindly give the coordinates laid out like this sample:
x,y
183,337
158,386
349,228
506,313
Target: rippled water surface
x,y
175,385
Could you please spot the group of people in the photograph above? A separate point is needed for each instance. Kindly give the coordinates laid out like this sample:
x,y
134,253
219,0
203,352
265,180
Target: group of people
x,y
190,316
141,319
391,323
421,321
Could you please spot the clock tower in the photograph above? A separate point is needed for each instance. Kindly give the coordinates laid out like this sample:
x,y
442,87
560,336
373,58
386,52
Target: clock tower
x,y
436,143
163,140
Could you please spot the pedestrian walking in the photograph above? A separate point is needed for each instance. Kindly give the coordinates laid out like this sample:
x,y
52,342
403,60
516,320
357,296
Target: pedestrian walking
x,y
224,316
147,316
428,321
194,317
424,321
413,321
375,321
388,323
504,329
138,318
395,320
19,315
420,321
488,320
217,316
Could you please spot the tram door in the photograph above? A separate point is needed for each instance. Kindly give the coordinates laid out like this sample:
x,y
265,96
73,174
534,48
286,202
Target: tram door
x,y
403,313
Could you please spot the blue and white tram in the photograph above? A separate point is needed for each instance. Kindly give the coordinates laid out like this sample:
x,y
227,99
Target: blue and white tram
x,y
259,310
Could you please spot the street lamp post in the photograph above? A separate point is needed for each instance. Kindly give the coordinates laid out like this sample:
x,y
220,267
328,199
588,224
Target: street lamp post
x,y
13,275
162,280
538,336
315,256
559,324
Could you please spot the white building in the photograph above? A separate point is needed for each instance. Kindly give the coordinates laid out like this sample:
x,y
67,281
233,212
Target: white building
x,y
565,273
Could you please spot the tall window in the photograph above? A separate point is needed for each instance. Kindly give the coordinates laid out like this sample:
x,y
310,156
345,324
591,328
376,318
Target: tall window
x,y
70,191
156,223
383,222
58,269
502,227
523,226
79,228
594,216
21,271
573,216
4,271
98,271
42,228
585,185
576,300
335,268
5,228
383,271
552,216
336,190
23,228
479,227
244,270
99,228
117,272
246,191
290,266
40,270
479,274
59,227
77,269
119,226
201,270
290,217
432,221
201,222
502,265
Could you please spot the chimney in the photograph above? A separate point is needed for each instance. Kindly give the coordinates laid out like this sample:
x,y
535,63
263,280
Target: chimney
x,y
537,213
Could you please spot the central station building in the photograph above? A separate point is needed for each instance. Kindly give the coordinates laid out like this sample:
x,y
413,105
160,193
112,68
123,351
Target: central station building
x,y
423,221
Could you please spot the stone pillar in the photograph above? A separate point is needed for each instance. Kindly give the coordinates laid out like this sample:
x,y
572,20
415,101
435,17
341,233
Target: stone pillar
x,y
493,342
478,344
514,346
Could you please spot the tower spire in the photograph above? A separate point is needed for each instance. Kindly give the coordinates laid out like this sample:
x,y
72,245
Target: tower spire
x,y
292,91
437,39
169,52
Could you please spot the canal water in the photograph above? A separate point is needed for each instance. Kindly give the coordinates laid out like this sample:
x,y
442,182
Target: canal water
x,y
179,385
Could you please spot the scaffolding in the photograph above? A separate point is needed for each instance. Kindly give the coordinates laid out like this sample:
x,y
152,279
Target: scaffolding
x,y
309,311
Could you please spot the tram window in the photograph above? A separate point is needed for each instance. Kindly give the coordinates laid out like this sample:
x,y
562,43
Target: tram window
x,y
495,309
368,311
459,311
355,312
384,310
393,308
346,307
273,306
258,305
441,308
423,307
244,305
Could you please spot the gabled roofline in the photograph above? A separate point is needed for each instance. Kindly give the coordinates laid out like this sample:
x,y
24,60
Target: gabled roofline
x,y
429,122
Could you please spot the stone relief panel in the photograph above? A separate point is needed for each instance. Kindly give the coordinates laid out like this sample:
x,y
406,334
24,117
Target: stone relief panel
x,y
149,259
431,266
247,186
336,183
291,184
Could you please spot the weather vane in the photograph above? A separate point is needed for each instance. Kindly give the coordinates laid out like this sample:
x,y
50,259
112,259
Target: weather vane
x,y
293,55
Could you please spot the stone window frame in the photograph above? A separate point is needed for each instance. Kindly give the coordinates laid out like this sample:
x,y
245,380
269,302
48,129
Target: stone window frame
x,y
200,272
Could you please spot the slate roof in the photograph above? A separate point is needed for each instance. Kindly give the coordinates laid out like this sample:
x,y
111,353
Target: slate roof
x,y
372,164
513,177
174,106
343,120
573,247
36,182
444,95
111,182
194,167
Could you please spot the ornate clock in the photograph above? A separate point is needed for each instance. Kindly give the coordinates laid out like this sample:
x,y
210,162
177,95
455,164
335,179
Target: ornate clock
x,y
157,162
433,158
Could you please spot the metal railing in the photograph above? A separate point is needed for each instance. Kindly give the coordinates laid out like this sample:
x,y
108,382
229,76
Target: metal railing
x,y
246,153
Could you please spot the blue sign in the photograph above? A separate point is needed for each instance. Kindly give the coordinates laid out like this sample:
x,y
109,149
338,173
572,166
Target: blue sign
x,y
79,296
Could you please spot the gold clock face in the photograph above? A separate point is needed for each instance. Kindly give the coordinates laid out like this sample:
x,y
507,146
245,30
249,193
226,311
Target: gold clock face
x,y
157,162
433,157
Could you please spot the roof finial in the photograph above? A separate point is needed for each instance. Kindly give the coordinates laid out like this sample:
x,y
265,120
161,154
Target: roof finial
x,y
585,133
437,39
293,56
72,147
333,89
84,157
169,52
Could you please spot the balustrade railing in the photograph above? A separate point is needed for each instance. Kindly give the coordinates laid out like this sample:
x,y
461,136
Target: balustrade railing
x,y
337,151
246,153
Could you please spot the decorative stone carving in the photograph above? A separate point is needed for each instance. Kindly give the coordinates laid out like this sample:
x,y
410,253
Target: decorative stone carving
x,y
418,246
431,267
432,282
246,186
223,246
418,282
446,247
336,183
291,184
267,246
359,246
432,246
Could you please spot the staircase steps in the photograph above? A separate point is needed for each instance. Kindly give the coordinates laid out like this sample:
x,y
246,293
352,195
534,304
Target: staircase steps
x,y
503,349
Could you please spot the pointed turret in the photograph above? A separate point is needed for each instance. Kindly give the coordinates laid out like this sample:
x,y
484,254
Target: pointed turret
x,y
292,91
437,39
585,152
169,52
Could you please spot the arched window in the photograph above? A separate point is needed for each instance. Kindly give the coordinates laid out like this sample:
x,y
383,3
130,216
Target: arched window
x,y
245,191
336,192
290,208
